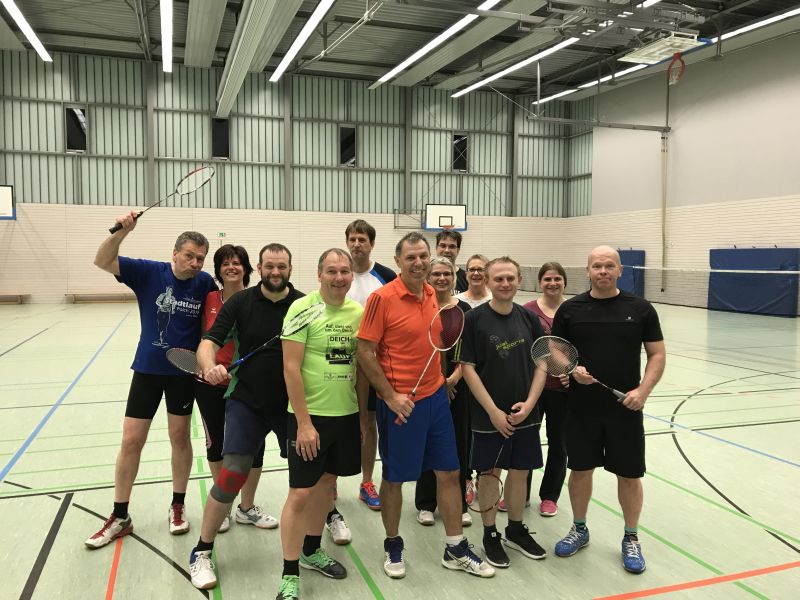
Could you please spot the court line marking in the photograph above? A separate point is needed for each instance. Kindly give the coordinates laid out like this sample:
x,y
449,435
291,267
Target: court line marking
x,y
10,465
44,552
376,591
112,576
688,585
23,341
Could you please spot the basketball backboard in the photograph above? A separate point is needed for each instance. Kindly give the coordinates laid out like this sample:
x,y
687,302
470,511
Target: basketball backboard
x,y
445,216
8,211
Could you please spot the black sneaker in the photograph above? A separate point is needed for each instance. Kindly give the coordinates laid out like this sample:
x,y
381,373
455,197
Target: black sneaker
x,y
495,554
523,541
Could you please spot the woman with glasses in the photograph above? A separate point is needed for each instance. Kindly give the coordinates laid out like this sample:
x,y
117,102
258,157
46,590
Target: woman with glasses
x,y
477,293
442,278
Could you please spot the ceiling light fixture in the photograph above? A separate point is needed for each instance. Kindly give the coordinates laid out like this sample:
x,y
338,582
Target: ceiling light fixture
x,y
554,96
302,37
792,13
519,65
166,35
648,3
25,27
437,41
616,75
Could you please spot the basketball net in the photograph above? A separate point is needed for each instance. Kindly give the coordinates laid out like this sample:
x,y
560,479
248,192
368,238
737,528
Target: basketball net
x,y
675,69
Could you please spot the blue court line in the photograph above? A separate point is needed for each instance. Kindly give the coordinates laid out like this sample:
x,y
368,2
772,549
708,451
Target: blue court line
x,y
723,440
18,454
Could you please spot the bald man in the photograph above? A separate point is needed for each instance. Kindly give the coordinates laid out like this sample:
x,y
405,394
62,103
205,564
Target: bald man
x,y
608,327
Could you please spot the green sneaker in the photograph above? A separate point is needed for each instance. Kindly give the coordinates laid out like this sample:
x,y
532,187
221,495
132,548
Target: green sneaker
x,y
290,588
322,562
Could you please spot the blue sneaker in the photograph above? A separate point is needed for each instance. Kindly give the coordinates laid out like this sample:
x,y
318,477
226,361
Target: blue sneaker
x,y
369,495
573,541
632,558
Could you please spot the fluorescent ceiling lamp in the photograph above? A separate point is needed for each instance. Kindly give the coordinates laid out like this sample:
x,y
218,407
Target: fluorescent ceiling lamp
x,y
166,35
437,41
746,28
617,74
519,65
302,37
23,25
648,3
554,96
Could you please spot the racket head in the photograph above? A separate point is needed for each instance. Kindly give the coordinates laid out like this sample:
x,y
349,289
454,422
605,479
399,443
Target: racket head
x,y
182,359
488,493
303,318
555,355
195,179
446,327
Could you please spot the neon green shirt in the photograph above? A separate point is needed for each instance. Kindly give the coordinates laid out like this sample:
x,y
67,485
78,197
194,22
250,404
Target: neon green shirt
x,y
328,369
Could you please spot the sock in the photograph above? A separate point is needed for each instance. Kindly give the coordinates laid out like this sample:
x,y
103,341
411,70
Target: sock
x,y
488,530
632,532
243,509
203,546
311,544
580,524
291,567
515,525
121,509
178,497
453,540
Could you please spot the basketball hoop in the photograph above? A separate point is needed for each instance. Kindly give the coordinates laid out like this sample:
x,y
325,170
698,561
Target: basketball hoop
x,y
675,69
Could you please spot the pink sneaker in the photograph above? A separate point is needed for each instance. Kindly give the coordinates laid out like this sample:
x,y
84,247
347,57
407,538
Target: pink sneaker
x,y
469,496
501,506
548,508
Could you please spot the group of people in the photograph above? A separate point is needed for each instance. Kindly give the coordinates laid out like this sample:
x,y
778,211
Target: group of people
x,y
340,389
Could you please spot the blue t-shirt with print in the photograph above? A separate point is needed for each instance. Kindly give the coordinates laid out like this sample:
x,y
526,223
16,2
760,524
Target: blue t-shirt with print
x,y
169,311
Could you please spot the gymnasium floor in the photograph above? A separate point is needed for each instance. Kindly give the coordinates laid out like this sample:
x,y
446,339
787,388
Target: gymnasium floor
x,y
721,499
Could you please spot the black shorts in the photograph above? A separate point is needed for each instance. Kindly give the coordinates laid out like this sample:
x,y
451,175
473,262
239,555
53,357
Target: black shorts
x,y
522,451
608,436
246,429
146,391
339,453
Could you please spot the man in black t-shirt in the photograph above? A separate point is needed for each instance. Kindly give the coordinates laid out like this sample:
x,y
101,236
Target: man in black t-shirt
x,y
505,385
608,327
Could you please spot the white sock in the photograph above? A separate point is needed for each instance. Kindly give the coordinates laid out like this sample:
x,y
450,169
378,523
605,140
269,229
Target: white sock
x,y
453,540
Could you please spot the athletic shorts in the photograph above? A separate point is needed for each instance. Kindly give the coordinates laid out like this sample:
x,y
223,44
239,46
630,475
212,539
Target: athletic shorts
x,y
339,453
146,391
522,451
245,430
426,442
611,437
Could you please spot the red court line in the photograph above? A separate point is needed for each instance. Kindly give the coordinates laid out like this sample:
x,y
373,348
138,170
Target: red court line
x,y
112,577
702,582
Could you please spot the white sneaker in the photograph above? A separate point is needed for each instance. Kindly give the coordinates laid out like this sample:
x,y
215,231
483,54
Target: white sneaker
x,y
225,525
113,528
256,516
394,564
462,558
466,519
425,517
178,525
201,568
340,532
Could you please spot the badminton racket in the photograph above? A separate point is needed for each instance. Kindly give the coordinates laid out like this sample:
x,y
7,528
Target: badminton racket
x,y
488,488
186,360
559,357
444,333
190,183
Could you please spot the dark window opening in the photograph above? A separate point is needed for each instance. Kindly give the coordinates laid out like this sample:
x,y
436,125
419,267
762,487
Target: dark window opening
x,y
460,153
75,119
347,146
220,138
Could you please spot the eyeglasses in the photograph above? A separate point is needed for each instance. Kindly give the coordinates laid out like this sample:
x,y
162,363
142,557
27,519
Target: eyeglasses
x,y
475,269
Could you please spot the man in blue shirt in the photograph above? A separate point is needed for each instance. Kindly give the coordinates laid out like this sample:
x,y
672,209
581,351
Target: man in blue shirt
x,y
170,297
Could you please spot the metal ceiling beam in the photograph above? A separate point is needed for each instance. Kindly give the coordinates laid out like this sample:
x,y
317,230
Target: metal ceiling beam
x,y
9,39
466,42
140,11
202,30
274,34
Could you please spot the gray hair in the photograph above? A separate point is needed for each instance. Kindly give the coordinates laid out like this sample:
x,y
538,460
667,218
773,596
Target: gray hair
x,y
198,239
443,260
338,252
412,237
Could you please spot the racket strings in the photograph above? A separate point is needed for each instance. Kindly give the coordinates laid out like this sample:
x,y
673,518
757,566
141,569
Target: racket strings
x,y
303,318
452,323
194,180
185,360
554,355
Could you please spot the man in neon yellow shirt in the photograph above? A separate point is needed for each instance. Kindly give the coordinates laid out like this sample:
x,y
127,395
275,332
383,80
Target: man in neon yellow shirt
x,y
324,425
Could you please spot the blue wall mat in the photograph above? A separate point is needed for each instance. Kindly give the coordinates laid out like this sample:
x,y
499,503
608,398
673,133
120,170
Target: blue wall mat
x,y
632,280
752,293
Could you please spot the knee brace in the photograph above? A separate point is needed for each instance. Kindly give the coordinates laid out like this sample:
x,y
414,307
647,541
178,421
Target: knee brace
x,y
234,472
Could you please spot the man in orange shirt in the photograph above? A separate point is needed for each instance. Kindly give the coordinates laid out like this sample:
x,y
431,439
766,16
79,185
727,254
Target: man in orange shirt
x,y
393,349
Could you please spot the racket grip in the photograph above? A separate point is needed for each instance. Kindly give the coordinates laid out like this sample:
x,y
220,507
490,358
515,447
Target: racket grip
x,y
618,394
118,226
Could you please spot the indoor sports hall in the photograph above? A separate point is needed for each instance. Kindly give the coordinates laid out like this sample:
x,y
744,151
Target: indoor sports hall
x,y
535,129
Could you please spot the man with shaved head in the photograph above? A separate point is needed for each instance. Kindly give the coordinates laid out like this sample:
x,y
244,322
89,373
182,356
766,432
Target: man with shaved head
x,y
608,327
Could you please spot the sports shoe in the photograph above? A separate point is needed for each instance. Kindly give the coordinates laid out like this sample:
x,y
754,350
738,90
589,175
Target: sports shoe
x,y
178,525
113,528
469,492
289,589
369,495
201,568
340,532
548,508
425,517
495,553
462,558
466,519
501,506
321,561
573,541
393,564
225,525
256,516
632,558
524,542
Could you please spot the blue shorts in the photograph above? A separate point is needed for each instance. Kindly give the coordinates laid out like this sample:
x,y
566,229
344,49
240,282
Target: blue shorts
x,y
426,442
245,430
522,451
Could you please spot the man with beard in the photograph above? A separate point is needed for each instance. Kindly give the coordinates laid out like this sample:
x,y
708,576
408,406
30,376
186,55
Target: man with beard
x,y
256,398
